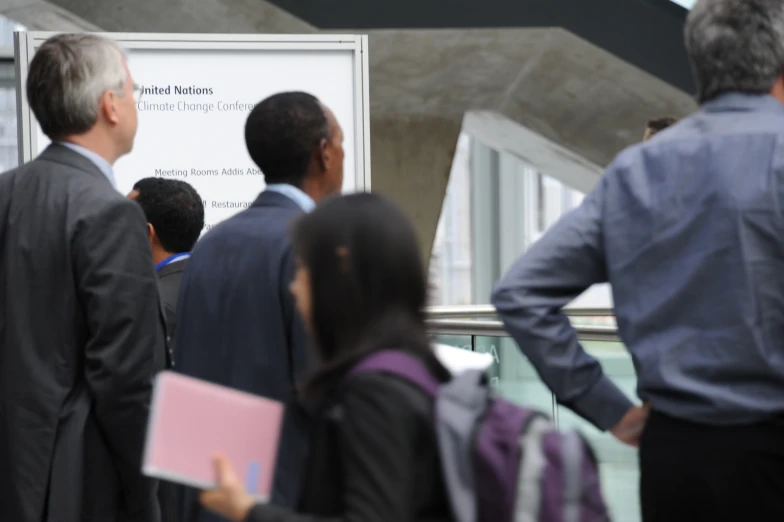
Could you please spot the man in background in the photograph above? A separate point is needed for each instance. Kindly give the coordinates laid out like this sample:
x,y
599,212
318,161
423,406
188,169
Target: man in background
x,y
175,219
688,229
237,322
657,125
81,329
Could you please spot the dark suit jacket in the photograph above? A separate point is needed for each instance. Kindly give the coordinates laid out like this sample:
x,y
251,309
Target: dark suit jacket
x,y
169,281
81,337
238,326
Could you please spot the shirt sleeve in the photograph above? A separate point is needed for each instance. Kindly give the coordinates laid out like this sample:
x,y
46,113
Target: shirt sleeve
x,y
376,442
529,299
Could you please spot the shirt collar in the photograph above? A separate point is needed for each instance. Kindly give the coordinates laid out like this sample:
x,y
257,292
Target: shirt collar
x,y
104,166
304,201
738,101
172,259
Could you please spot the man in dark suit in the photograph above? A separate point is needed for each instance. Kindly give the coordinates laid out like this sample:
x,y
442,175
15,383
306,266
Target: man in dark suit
x,y
237,322
81,330
175,219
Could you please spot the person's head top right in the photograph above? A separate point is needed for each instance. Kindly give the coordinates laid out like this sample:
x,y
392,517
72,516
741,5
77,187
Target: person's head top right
x,y
294,139
81,91
736,46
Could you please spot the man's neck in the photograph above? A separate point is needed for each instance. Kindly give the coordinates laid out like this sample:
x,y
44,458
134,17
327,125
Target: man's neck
x,y
159,255
313,189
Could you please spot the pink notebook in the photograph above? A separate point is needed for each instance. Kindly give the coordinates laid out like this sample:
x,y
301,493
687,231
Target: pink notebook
x,y
193,421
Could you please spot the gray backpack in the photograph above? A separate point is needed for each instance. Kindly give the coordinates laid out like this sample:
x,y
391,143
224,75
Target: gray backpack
x,y
501,462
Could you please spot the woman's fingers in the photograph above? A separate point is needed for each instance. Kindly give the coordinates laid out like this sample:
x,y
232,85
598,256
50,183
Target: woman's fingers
x,y
226,475
229,499
210,499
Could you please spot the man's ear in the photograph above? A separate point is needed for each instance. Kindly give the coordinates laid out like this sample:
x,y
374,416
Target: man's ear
x,y
152,237
778,89
108,106
324,155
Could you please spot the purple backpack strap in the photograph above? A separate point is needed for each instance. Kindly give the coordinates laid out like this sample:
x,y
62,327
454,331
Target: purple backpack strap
x,y
399,364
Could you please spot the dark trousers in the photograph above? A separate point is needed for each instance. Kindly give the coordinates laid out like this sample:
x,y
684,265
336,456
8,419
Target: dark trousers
x,y
699,473
168,496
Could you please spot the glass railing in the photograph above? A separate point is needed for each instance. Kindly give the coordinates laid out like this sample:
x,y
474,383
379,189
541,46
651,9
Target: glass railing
x,y
515,379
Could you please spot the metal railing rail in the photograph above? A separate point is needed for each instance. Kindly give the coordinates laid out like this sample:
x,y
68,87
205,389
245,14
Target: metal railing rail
x,y
496,329
488,311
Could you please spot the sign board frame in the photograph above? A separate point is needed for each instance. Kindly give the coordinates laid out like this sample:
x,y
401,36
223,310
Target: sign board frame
x,y
26,43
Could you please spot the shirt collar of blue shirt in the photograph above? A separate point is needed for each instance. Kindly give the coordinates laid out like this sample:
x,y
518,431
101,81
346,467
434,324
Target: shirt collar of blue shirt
x,y
172,259
104,166
738,101
304,201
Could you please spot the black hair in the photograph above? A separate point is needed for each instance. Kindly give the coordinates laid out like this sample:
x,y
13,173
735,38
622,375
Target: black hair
x,y
659,124
281,134
174,209
368,285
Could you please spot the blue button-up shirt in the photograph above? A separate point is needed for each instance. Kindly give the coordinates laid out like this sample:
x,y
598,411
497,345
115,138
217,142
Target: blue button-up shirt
x,y
304,201
104,166
689,230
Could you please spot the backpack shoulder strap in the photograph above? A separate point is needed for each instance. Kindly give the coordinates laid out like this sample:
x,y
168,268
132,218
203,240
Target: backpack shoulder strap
x,y
400,364
460,406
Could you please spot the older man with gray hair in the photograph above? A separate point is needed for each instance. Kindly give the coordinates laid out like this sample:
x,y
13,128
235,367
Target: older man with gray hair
x,y
689,230
81,331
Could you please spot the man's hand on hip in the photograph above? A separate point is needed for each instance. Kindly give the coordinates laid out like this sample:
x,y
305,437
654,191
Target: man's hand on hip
x,y
629,429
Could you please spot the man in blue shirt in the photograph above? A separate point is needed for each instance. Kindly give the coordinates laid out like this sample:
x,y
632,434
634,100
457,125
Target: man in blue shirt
x,y
688,228
236,321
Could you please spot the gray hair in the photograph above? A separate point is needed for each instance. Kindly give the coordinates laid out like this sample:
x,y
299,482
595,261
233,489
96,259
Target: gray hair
x,y
735,46
66,79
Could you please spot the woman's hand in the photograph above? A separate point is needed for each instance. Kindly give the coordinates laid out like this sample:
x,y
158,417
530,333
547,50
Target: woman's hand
x,y
230,500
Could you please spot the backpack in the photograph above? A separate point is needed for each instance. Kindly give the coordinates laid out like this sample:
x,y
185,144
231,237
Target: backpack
x,y
501,462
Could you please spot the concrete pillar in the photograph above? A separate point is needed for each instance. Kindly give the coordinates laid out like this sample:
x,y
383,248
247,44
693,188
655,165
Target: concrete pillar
x,y
411,157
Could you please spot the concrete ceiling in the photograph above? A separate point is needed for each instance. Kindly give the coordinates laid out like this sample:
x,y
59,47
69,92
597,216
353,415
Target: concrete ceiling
x,y
39,15
155,16
548,80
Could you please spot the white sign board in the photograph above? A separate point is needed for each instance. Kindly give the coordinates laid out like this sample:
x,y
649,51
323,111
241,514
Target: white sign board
x,y
198,91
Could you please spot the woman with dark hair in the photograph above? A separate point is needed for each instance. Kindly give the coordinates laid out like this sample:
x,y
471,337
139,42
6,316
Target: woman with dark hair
x,y
361,287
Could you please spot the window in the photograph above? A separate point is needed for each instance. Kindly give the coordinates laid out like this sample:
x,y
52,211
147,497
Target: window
x,y
9,154
450,264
